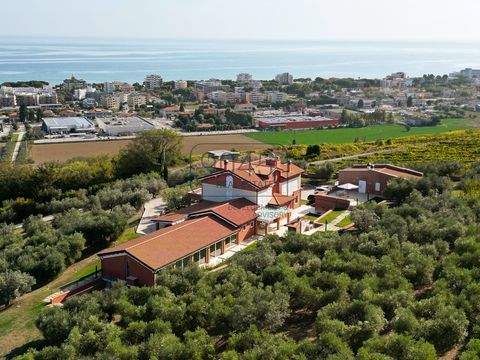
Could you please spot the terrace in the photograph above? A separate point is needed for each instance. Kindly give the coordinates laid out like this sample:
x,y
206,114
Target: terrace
x,y
349,192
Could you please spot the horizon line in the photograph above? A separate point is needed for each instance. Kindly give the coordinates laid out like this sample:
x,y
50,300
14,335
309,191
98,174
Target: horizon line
x,y
326,39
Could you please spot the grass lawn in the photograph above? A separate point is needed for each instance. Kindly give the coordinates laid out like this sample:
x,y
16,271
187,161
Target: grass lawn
x,y
17,323
128,234
311,217
328,218
345,222
348,135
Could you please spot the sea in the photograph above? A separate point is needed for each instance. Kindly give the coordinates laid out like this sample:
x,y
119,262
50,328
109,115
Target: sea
x,y
99,60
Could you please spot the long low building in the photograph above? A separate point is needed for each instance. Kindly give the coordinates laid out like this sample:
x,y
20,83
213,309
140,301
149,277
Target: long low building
x,y
297,122
193,235
65,125
120,126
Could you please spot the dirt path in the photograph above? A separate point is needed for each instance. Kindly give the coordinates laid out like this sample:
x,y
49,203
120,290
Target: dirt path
x,y
451,354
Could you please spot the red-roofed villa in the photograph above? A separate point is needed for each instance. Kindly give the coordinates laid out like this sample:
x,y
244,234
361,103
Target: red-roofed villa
x,y
238,202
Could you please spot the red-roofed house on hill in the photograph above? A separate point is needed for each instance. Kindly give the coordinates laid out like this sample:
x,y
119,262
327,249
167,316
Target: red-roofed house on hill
x,y
239,200
358,183
373,178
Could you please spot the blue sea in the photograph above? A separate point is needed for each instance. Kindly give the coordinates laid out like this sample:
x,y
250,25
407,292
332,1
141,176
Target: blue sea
x,y
54,59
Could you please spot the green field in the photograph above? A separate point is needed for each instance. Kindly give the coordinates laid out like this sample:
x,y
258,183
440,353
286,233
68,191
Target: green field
x,y
348,135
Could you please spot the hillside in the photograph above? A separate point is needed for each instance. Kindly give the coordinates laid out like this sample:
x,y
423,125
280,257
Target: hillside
x,y
405,286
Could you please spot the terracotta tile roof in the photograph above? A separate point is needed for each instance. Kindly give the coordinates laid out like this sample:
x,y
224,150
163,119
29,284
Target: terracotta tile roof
x,y
256,171
246,174
237,212
398,173
392,170
280,200
170,244
183,213
294,170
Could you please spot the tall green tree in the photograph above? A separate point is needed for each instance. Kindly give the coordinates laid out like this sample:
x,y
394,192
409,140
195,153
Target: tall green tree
x,y
150,151
409,101
23,113
39,115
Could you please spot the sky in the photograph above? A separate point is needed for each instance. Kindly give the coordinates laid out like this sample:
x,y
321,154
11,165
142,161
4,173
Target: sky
x,y
439,20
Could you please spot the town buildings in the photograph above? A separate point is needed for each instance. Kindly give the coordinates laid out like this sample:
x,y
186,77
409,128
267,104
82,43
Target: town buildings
x,y
276,97
181,85
296,121
153,81
73,84
122,126
65,125
470,73
136,99
284,79
110,101
222,97
27,96
238,201
244,78
396,80
109,87
8,100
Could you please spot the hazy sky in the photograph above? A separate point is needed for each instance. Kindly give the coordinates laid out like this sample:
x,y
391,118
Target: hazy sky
x,y
246,19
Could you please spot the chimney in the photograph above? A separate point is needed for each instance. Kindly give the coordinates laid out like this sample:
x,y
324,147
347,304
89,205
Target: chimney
x,y
225,164
289,165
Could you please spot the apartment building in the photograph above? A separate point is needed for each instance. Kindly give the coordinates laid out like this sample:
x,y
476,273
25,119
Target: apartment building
x,y
73,84
153,81
244,78
181,85
284,79
8,100
222,97
276,97
136,99
110,101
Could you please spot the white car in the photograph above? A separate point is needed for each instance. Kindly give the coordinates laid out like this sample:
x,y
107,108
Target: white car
x,y
325,188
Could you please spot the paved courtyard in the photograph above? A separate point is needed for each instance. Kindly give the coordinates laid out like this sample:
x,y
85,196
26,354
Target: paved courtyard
x,y
152,209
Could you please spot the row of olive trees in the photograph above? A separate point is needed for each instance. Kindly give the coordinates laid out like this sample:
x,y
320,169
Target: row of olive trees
x,y
404,287
26,190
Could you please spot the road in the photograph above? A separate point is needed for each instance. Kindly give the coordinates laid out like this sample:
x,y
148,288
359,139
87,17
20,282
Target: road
x,y
348,157
21,134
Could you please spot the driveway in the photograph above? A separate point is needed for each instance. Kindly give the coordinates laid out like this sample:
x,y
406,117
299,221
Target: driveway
x,y
152,209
